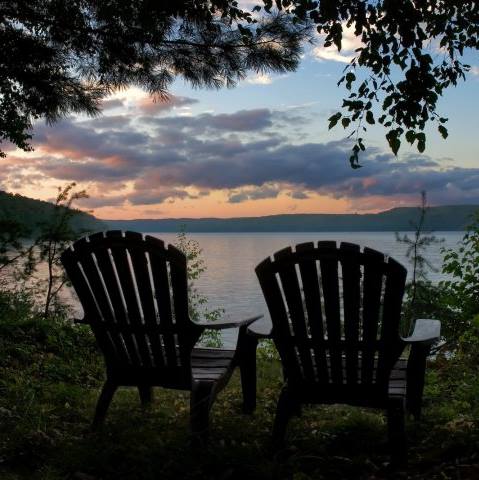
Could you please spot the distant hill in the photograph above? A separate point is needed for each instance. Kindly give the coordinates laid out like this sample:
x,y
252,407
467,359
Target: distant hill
x,y
450,217
33,212
444,218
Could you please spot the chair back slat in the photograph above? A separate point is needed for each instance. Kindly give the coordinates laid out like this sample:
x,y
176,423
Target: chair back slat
x,y
163,287
277,309
351,296
312,297
141,267
86,283
296,312
372,292
391,317
105,292
138,347
328,262
135,295
185,337
335,313
140,259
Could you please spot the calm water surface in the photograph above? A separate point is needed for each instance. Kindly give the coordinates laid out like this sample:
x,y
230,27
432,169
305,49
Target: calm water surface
x,y
230,282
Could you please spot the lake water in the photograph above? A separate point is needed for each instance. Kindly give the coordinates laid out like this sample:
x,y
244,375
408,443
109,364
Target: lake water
x,y
230,281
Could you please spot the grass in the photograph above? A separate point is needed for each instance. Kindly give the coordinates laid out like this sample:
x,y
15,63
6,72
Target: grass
x,y
50,374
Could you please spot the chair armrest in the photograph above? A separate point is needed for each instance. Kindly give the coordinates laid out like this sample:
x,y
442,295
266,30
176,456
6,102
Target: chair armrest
x,y
229,323
81,321
426,332
261,329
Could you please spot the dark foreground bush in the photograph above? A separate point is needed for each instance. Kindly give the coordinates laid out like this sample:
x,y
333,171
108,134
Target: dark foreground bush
x,y
50,373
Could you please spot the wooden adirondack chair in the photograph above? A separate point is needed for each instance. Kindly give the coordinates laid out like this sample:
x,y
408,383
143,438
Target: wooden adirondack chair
x,y
134,293
335,321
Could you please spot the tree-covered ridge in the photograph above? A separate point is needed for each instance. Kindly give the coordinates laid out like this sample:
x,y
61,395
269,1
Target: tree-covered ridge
x,y
31,213
449,218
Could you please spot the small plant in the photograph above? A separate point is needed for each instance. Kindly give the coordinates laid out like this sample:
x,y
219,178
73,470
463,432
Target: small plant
x,y
16,257
25,250
462,288
198,303
53,238
415,253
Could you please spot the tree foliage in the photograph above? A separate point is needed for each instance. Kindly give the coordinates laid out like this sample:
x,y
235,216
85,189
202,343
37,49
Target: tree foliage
x,y
55,236
416,249
411,52
58,57
462,266
420,291
30,255
198,308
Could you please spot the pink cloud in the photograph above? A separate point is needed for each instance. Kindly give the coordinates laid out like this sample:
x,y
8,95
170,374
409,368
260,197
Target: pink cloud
x,y
150,106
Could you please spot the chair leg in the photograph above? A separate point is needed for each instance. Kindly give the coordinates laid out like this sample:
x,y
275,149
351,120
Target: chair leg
x,y
287,407
104,400
247,363
146,395
397,430
416,371
200,405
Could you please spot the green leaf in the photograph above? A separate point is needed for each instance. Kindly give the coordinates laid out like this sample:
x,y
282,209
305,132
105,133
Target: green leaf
x,y
354,159
421,137
393,140
443,131
333,120
411,136
387,102
345,122
370,117
350,77
421,146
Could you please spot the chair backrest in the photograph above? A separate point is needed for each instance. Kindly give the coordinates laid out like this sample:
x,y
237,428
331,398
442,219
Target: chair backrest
x,y
134,292
335,313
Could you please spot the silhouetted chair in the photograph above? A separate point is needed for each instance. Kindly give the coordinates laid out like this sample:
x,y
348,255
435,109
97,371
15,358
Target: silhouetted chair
x,y
134,292
335,321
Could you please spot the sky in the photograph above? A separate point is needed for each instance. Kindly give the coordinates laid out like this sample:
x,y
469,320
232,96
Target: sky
x,y
262,148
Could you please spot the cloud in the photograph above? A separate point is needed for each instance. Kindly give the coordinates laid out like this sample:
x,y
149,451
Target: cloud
x,y
106,122
350,42
475,70
259,79
332,54
112,103
151,106
241,121
247,155
298,195
254,193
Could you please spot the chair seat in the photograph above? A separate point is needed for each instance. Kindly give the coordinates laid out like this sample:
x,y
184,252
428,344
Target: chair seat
x,y
211,364
398,378
372,395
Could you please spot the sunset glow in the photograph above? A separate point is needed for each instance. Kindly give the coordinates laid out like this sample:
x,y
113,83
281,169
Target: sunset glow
x,y
260,149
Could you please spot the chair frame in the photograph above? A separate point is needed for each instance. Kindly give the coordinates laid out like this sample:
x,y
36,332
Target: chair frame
x,y
338,335
134,292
